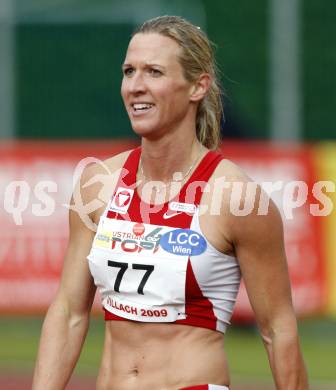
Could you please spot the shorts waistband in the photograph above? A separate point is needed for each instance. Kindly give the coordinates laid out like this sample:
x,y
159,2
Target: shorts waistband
x,y
206,387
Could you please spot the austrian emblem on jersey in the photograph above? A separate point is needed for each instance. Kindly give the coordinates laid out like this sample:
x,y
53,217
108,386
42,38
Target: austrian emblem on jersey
x,y
122,200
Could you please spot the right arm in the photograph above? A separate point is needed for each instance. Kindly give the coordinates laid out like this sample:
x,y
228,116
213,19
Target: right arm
x,y
67,320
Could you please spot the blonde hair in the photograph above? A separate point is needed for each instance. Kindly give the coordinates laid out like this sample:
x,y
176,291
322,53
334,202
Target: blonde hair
x,y
197,57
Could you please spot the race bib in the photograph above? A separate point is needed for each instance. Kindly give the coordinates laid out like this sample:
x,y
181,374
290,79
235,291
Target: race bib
x,y
138,277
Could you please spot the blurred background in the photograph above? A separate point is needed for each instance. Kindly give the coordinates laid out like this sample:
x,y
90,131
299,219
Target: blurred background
x,y
60,75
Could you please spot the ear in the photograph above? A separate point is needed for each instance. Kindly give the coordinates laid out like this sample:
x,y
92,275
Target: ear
x,y
200,87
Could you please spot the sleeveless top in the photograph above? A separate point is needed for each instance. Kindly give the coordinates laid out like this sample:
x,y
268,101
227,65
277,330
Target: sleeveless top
x,y
152,263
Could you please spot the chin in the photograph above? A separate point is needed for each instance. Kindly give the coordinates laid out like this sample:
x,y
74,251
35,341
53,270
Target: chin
x,y
145,131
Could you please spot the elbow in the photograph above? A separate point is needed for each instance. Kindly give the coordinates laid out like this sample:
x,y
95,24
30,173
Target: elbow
x,y
284,325
266,337
79,320
61,310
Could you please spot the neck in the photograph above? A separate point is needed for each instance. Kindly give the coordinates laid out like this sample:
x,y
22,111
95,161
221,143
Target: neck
x,y
161,159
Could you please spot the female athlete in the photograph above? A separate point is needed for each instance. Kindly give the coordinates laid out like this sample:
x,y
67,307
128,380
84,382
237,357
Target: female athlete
x,y
169,251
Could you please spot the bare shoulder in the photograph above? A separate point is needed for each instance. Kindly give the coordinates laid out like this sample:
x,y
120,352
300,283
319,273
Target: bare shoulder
x,y
248,211
107,166
229,183
95,186
231,172
101,173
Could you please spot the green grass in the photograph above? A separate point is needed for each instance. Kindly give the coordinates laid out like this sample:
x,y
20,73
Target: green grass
x,y
19,340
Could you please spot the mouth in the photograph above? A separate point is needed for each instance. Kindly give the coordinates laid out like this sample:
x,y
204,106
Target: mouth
x,y
141,108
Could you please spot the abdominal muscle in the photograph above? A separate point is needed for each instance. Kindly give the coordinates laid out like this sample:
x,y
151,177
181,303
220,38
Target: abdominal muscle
x,y
143,356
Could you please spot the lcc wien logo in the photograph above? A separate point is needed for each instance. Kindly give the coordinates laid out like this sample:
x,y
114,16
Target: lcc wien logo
x,y
122,200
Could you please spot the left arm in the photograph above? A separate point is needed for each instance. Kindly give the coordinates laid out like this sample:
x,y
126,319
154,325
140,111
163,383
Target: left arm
x,y
259,245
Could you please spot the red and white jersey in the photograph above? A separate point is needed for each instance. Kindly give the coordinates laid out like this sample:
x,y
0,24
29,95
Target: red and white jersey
x,y
152,263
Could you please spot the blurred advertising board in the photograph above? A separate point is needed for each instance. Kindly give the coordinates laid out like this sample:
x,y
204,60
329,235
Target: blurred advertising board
x,y
325,160
37,179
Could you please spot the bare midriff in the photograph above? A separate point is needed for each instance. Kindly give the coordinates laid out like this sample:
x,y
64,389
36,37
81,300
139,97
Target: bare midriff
x,y
143,356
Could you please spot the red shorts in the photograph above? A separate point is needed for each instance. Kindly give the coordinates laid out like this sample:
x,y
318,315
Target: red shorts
x,y
206,387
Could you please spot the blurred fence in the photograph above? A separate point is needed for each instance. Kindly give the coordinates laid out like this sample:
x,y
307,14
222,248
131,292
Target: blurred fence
x,y
37,180
60,64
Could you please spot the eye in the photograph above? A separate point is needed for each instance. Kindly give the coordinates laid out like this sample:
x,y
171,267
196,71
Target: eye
x,y
128,71
155,72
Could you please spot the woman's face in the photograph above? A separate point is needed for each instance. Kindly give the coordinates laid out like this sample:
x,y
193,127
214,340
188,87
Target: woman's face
x,y
155,93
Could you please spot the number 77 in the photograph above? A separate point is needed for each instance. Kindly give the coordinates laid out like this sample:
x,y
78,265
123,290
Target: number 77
x,y
123,267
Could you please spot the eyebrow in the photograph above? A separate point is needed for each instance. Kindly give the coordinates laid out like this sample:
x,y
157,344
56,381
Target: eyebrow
x,y
146,65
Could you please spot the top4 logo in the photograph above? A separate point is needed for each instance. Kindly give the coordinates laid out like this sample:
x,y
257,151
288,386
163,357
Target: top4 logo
x,y
136,241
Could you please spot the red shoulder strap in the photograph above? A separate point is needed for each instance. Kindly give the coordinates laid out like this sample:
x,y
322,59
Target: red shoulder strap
x,y
128,177
192,191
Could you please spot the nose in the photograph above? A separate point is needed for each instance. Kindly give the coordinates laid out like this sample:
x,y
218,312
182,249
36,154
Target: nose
x,y
135,84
